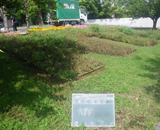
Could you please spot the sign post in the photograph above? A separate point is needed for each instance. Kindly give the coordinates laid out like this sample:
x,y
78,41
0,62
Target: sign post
x,y
93,110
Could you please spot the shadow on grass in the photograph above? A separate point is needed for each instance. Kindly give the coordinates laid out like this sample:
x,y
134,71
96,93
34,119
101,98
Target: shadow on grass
x,y
19,88
50,51
153,66
136,122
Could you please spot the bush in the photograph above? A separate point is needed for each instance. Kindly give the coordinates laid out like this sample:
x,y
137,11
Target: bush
x,y
52,54
125,30
128,31
155,34
95,28
120,29
119,35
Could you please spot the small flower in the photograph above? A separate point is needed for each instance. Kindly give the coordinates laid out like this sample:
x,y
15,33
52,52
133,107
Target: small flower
x,y
56,47
46,44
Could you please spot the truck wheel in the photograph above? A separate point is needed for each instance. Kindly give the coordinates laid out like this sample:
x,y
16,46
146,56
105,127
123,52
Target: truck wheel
x,y
65,23
82,22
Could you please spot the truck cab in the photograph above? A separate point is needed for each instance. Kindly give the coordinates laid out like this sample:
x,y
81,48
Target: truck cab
x,y
83,16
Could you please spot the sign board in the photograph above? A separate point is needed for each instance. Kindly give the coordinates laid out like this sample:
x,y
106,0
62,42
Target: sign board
x,y
93,110
158,126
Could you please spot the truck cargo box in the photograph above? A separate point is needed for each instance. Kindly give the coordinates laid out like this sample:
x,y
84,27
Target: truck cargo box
x,y
68,9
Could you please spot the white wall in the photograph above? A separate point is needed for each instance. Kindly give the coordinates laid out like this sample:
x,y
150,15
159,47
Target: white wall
x,y
129,22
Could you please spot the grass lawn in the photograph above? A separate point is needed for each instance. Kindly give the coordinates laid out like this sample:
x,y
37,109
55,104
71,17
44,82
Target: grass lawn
x,y
33,99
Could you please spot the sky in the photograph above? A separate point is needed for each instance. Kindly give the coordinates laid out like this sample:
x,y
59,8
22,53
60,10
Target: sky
x,y
101,1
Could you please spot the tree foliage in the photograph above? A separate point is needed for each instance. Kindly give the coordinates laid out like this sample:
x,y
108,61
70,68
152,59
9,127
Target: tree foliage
x,y
91,6
24,10
144,8
11,4
106,9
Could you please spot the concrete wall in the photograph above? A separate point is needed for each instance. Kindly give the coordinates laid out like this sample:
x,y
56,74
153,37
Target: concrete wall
x,y
129,22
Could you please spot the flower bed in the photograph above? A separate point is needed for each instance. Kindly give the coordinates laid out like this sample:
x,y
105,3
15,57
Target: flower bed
x,y
80,26
37,29
14,33
17,33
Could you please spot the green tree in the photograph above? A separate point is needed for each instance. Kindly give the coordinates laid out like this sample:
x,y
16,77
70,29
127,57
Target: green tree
x,y
144,8
106,9
20,11
110,8
117,8
42,5
29,8
91,6
8,4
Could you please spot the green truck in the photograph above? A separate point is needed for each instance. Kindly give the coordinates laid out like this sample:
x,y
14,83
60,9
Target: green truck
x,y
68,12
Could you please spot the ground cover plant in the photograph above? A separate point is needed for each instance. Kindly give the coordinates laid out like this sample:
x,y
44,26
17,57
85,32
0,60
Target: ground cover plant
x,y
46,53
32,98
100,46
54,51
97,45
124,34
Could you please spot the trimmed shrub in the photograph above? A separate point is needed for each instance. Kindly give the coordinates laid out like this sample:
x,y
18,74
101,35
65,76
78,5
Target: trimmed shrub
x,y
52,54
